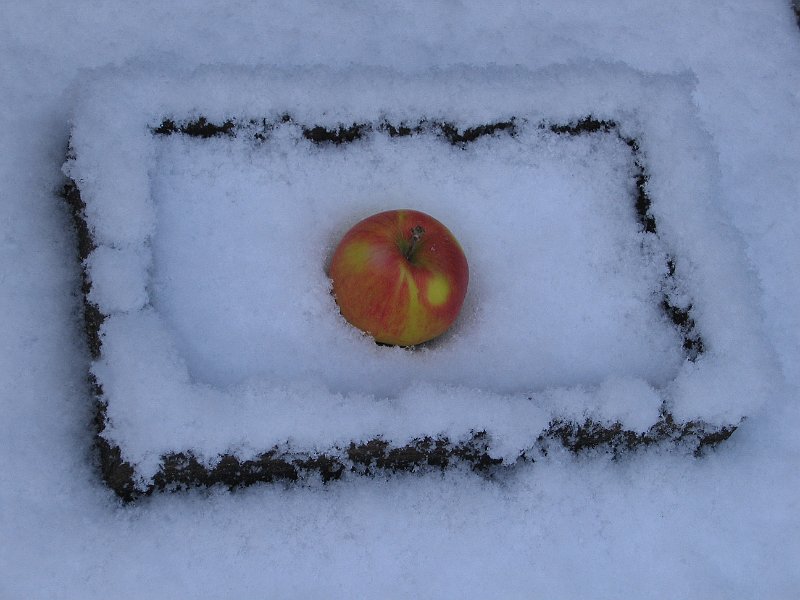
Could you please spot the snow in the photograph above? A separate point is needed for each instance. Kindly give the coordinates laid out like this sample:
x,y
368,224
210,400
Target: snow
x,y
242,280
710,90
228,300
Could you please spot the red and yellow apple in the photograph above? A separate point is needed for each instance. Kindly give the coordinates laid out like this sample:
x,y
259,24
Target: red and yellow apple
x,y
400,276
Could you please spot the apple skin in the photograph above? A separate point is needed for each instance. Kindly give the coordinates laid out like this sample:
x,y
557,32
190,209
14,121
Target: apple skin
x,y
401,284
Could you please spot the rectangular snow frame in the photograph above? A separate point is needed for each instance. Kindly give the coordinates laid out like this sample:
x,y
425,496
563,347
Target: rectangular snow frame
x,y
461,105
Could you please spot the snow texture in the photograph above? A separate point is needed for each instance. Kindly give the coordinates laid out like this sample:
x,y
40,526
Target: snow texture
x,y
722,152
238,346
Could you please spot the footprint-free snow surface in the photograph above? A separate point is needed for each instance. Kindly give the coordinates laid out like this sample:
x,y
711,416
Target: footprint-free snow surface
x,y
243,235
220,334
623,182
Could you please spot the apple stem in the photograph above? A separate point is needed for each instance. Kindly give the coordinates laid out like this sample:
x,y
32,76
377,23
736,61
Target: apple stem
x,y
416,235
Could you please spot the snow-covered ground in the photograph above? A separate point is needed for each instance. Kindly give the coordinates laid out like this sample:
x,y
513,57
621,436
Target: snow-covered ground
x,y
657,523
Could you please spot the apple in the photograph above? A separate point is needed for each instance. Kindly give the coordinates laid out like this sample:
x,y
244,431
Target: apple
x,y
400,276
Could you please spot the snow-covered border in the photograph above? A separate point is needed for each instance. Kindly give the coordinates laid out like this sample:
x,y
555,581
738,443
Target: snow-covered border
x,y
113,153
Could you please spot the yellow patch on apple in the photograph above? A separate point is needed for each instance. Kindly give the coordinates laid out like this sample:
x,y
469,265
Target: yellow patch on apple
x,y
438,290
356,255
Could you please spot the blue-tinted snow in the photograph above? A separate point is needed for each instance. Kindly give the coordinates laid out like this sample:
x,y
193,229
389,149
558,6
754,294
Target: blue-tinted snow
x,y
653,525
